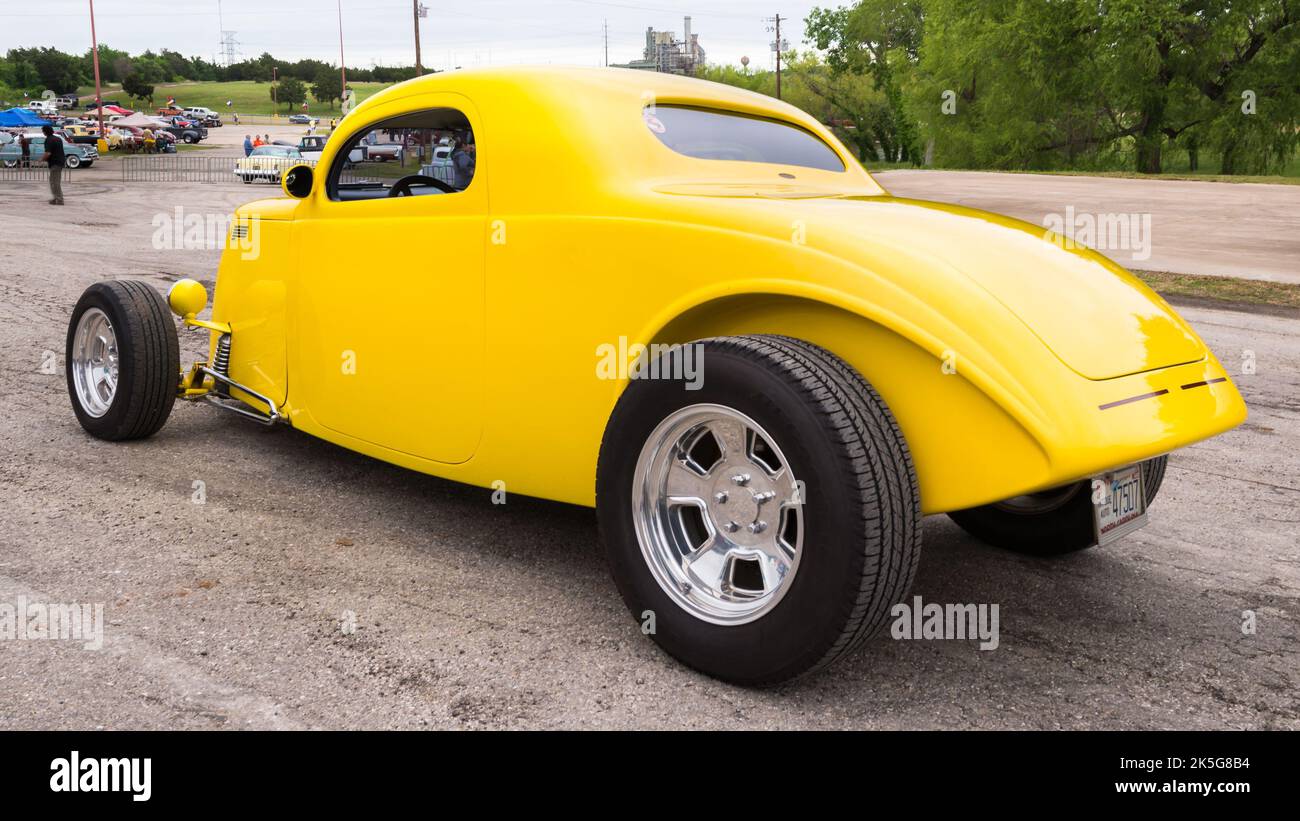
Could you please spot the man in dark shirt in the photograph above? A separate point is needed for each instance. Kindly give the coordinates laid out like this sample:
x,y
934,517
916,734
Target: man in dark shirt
x,y
463,162
53,157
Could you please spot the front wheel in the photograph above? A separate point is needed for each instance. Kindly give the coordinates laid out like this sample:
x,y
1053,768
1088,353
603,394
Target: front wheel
x,y
72,161
123,360
1050,522
761,525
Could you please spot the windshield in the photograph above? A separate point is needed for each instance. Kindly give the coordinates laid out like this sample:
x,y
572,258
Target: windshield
x,y
708,134
274,151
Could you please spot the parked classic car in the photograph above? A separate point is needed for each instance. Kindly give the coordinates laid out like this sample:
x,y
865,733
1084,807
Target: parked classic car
x,y
714,326
383,151
81,134
302,119
267,162
311,146
74,156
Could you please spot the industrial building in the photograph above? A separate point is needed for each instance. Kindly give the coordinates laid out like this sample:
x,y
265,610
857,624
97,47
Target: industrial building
x,y
664,52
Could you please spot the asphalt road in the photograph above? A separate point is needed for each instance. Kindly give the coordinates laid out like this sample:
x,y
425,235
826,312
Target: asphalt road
x,y
231,613
1222,229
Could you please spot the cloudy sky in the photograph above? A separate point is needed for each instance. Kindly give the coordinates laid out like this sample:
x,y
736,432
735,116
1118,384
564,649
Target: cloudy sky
x,y
463,33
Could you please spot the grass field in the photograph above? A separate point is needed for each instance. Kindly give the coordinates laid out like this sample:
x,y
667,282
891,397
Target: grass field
x,y
1174,170
248,98
1223,289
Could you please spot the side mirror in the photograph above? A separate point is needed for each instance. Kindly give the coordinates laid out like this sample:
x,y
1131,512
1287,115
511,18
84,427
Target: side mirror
x,y
297,181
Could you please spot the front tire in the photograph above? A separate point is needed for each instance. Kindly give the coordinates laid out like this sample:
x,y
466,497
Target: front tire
x,y
1049,523
122,360
72,161
783,544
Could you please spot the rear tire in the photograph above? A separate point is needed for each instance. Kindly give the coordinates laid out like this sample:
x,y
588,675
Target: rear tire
x,y
122,360
852,556
1051,523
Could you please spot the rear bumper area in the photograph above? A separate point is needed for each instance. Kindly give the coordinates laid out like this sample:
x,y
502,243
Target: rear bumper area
x,y
1104,424
1145,415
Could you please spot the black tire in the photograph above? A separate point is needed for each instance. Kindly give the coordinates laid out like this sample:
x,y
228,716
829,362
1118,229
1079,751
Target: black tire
x,y
861,507
149,360
72,161
1064,525
190,138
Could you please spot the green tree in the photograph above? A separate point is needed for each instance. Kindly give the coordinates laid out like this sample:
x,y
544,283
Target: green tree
x,y
57,71
325,86
137,87
289,92
878,41
1082,82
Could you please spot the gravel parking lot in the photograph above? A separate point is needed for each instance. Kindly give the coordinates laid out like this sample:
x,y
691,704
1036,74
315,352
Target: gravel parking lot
x,y
229,614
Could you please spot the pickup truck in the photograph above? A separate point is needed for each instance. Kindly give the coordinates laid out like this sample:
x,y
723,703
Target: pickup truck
x,y
207,116
311,146
191,133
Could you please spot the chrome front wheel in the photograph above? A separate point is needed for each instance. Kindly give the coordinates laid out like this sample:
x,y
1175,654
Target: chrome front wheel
x,y
717,510
122,360
94,362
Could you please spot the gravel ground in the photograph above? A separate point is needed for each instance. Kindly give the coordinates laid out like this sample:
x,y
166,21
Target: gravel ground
x,y
229,614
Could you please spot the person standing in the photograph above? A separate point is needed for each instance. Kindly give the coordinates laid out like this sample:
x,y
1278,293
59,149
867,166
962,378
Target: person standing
x,y
463,162
54,158
248,145
26,146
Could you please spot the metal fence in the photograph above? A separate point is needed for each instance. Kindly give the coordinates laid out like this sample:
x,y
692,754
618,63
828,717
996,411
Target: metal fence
x,y
31,173
187,168
167,168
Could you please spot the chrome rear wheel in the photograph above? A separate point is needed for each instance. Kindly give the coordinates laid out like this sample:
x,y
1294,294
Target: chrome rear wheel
x,y
718,514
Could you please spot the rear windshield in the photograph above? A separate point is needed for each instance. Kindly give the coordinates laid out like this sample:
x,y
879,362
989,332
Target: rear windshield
x,y
724,135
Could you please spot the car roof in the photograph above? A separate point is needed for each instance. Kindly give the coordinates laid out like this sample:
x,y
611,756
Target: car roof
x,y
559,108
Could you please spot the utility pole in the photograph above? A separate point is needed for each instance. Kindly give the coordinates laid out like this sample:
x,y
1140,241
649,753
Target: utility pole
x,y
343,69
420,11
777,46
275,93
607,42
778,56
94,44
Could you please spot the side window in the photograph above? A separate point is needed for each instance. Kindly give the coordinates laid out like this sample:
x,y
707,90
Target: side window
x,y
424,153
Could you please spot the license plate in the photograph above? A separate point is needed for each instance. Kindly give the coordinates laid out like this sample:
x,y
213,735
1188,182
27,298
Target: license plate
x,y
1119,504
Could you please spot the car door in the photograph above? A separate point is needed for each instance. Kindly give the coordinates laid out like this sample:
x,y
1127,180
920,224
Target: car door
x,y
390,306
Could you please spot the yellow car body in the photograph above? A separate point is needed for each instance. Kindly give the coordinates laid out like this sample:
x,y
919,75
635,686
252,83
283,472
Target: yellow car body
x,y
462,336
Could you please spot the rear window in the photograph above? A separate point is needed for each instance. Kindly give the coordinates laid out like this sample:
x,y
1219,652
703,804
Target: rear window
x,y
708,134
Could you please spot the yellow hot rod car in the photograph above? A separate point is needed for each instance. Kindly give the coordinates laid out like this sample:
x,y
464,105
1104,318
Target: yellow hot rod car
x,y
688,306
